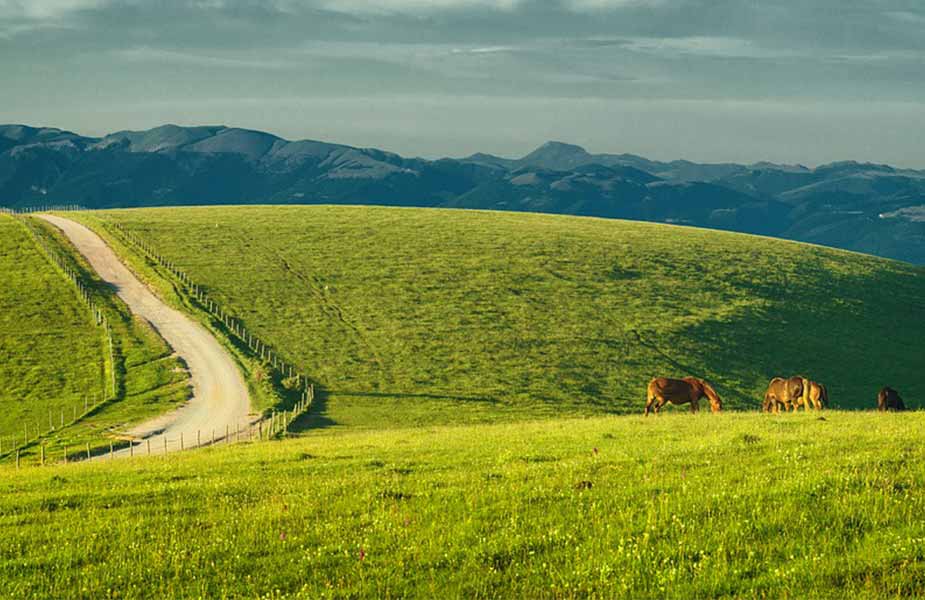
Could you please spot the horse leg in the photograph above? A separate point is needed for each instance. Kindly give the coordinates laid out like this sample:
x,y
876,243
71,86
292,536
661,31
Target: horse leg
x,y
658,405
695,406
649,402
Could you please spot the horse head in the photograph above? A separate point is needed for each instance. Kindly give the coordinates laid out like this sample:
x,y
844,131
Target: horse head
x,y
716,404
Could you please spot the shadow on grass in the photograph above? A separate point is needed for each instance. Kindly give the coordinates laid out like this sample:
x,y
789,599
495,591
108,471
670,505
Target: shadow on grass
x,y
315,417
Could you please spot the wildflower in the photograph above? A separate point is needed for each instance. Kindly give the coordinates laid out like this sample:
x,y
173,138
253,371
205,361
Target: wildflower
x,y
362,554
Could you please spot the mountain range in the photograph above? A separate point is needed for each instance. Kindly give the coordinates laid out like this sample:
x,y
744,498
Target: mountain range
x,y
872,208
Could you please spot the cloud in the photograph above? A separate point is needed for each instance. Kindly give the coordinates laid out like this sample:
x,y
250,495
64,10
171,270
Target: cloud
x,y
44,9
603,5
374,7
730,47
148,54
483,50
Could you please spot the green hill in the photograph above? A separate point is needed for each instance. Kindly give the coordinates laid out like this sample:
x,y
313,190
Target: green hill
x,y
424,316
51,353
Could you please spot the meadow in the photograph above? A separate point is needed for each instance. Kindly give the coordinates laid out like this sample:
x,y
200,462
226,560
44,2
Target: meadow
x,y
733,505
51,353
411,316
55,360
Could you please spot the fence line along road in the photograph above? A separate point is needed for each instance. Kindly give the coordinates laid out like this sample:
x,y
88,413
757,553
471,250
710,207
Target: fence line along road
x,y
270,426
11,444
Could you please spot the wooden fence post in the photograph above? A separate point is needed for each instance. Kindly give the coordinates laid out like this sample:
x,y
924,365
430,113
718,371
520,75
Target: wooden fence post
x,y
43,455
88,450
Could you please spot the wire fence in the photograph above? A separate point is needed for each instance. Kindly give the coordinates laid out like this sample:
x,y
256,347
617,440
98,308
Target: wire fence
x,y
265,429
271,425
63,417
232,325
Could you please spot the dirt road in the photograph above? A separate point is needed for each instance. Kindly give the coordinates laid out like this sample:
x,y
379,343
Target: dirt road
x,y
220,399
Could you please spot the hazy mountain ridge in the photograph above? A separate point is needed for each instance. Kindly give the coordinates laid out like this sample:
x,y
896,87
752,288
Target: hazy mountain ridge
x,y
859,206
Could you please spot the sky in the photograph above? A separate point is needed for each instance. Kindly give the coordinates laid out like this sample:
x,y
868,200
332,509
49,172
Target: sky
x,y
792,81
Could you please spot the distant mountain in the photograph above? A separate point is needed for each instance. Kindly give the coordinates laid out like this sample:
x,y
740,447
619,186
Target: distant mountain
x,y
870,208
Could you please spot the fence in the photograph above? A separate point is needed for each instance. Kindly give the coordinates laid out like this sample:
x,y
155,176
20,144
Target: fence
x,y
257,347
27,210
269,426
11,444
161,445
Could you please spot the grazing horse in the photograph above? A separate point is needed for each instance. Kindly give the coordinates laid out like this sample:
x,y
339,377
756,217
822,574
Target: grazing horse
x,y
662,390
793,392
816,394
783,392
889,399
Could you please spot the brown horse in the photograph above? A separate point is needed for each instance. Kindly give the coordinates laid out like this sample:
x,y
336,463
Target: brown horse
x,y
662,390
783,392
793,392
889,399
816,393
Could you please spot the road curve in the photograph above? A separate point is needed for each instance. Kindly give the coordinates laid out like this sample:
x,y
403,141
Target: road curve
x,y
219,402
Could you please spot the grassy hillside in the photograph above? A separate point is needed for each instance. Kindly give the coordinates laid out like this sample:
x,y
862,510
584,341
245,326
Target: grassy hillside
x,y
736,505
415,316
53,355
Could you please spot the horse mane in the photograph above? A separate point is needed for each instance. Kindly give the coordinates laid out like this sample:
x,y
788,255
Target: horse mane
x,y
710,392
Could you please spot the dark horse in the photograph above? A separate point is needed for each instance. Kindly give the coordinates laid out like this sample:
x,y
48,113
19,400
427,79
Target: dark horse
x,y
662,390
889,399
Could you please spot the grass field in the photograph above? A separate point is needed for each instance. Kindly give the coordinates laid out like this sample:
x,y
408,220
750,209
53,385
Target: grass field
x,y
51,353
427,316
734,505
54,355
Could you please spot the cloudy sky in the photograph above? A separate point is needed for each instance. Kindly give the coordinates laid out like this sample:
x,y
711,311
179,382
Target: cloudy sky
x,y
806,81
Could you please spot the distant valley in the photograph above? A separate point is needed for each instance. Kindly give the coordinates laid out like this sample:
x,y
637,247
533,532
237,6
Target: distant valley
x,y
871,208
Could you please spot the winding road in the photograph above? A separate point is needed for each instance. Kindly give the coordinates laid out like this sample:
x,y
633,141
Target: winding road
x,y
219,402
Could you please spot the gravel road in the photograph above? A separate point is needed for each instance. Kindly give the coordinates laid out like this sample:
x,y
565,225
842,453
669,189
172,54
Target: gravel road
x,y
219,401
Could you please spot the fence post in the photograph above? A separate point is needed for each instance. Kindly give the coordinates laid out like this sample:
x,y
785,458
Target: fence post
x,y
88,450
149,446
111,453
181,440
43,455
17,458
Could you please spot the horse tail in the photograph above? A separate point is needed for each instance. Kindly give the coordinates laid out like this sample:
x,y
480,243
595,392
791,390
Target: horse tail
x,y
650,397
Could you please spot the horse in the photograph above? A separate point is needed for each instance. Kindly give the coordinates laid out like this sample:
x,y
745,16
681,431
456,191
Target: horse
x,y
783,392
889,399
816,393
793,392
662,390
